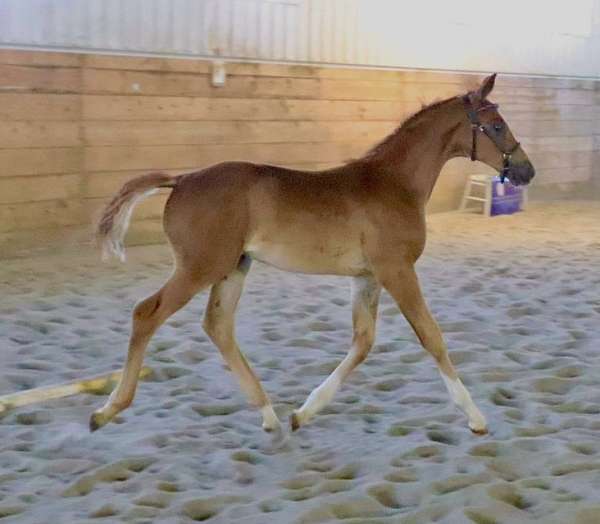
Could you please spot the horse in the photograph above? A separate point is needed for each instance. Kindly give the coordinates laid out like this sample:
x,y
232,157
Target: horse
x,y
364,219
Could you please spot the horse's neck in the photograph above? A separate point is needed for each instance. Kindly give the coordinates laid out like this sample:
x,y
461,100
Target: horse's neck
x,y
417,152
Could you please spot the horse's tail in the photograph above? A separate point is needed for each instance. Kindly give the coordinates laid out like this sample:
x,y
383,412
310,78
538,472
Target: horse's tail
x,y
114,221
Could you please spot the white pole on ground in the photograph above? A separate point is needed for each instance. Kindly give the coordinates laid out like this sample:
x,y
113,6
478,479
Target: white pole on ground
x,y
93,385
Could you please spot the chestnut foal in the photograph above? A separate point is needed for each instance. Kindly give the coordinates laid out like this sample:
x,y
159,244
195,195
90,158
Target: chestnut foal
x,y
365,219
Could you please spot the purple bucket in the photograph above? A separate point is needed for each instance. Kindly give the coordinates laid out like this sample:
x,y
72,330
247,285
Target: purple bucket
x,y
506,198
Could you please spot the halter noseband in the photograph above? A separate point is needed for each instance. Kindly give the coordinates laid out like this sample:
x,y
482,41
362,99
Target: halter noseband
x,y
476,125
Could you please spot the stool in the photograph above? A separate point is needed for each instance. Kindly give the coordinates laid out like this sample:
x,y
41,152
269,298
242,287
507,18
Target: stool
x,y
478,181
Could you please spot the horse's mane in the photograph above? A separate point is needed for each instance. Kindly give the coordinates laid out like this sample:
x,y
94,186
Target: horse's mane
x,y
407,123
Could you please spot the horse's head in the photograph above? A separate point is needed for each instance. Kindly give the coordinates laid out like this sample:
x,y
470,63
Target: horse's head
x,y
490,140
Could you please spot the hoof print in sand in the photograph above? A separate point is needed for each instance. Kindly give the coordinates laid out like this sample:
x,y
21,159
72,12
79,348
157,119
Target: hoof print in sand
x,y
458,482
117,472
206,508
216,410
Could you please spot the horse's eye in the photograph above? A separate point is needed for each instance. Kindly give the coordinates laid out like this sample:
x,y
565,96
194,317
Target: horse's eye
x,y
498,127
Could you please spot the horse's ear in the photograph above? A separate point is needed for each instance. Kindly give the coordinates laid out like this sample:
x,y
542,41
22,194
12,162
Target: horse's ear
x,y
486,87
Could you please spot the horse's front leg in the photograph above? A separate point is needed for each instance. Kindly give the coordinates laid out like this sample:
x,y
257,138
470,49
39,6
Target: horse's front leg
x,y
401,282
365,297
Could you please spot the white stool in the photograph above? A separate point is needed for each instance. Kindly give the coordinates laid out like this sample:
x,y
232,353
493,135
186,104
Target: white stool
x,y
477,182
483,181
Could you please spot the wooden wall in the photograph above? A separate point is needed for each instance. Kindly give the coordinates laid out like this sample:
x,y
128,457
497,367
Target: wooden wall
x,y
74,127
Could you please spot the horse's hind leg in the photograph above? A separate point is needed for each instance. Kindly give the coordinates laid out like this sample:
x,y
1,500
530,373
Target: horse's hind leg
x,y
219,325
148,315
365,297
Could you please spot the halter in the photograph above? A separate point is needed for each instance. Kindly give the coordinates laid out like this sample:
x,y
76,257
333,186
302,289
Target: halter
x,y
476,125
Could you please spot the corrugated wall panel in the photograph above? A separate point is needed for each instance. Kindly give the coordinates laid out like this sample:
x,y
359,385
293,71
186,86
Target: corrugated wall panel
x,y
419,34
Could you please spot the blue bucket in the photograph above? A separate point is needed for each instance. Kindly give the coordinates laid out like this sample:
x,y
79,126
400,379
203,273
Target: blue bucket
x,y
506,198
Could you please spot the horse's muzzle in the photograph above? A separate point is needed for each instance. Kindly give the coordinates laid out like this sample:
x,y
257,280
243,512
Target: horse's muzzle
x,y
521,174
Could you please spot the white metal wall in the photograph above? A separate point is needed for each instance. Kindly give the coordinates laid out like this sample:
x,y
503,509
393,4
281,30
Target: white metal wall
x,y
517,36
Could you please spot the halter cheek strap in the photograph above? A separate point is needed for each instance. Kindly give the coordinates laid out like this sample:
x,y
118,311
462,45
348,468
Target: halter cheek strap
x,y
476,126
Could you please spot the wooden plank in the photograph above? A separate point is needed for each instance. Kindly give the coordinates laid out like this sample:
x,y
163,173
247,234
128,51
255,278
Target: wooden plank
x,y
538,111
553,128
565,143
192,65
560,159
468,81
192,108
145,63
41,241
544,95
97,133
39,134
106,107
39,58
28,161
34,215
105,184
27,106
549,175
24,79
99,81
95,81
403,92
118,158
370,90
38,188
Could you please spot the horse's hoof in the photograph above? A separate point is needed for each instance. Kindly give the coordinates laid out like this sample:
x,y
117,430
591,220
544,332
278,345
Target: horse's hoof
x,y
271,429
479,431
97,420
294,422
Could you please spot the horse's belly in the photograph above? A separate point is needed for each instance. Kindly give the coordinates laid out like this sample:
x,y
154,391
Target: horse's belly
x,y
310,258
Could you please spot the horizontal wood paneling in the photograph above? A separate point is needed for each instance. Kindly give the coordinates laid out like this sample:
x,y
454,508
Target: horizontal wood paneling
x,y
27,106
40,161
44,214
117,158
227,132
44,59
26,79
106,107
74,127
39,188
19,134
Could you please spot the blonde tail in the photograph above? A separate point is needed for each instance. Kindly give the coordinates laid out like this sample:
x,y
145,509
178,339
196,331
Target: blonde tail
x,y
114,221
